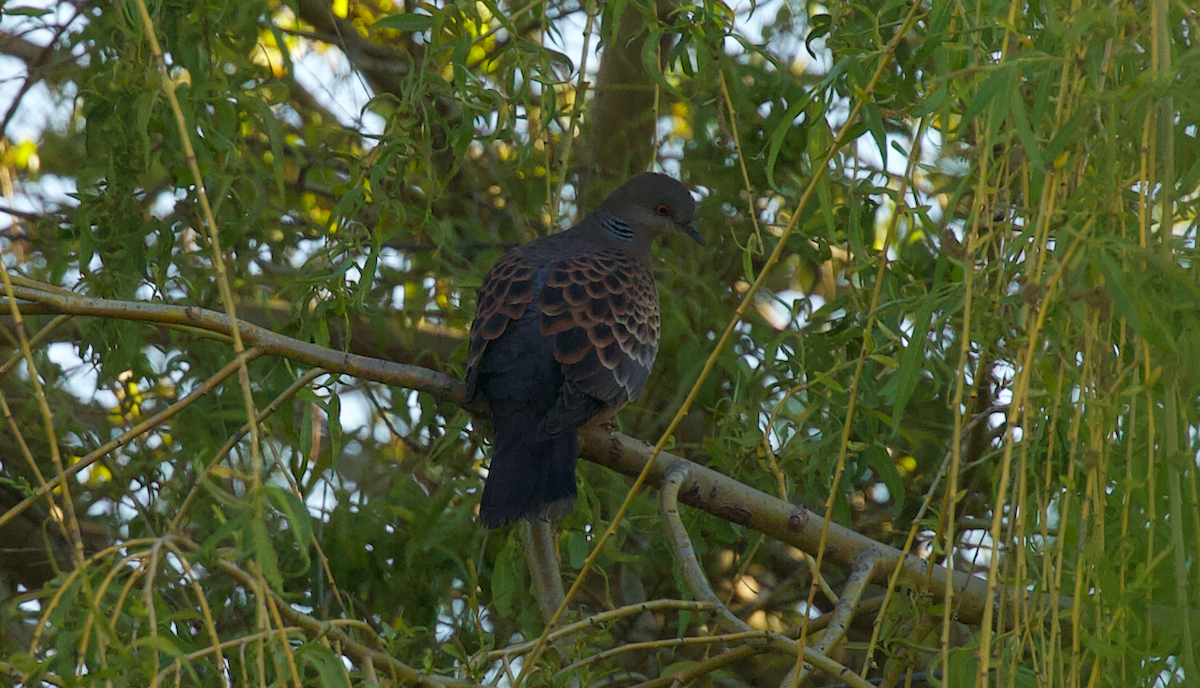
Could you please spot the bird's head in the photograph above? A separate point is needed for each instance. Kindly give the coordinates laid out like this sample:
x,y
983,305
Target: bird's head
x,y
657,203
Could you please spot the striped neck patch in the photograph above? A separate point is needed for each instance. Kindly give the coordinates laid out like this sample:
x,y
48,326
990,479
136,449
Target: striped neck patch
x,y
617,229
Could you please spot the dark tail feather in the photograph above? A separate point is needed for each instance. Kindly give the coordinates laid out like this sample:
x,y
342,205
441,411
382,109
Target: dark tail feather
x,y
529,475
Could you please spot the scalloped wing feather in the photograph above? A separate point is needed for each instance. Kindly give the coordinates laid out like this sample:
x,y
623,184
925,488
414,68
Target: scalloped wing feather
x,y
602,308
505,294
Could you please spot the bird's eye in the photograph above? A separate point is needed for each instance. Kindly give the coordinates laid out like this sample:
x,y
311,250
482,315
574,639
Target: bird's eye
x,y
662,210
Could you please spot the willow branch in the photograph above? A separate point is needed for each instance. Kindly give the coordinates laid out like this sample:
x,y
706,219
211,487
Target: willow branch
x,y
412,377
605,617
733,501
685,553
856,584
537,536
703,488
694,574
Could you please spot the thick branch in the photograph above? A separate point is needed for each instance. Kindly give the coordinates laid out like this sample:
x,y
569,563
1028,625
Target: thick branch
x,y
384,67
412,377
698,581
733,501
703,488
391,339
621,137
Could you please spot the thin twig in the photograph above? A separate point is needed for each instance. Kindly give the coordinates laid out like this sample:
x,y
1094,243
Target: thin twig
x,y
665,642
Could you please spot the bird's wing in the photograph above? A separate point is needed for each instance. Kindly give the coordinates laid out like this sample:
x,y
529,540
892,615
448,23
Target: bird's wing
x,y
505,294
602,309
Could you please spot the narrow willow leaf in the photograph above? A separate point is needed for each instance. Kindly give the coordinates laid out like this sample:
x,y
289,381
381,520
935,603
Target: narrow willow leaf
x,y
264,553
329,667
1118,291
996,82
885,467
874,120
792,113
297,517
1016,106
914,353
650,63
406,21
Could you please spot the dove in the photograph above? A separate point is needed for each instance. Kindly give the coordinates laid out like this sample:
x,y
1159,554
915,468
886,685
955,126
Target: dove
x,y
566,330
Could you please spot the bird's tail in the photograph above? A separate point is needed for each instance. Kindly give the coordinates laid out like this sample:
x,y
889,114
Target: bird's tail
x,y
531,474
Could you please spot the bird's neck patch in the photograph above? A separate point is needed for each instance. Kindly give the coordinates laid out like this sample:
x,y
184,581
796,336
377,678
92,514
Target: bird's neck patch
x,y
617,229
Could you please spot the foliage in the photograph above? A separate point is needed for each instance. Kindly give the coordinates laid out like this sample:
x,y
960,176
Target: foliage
x,y
980,330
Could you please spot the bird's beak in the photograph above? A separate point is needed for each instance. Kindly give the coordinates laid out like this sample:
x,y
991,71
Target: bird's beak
x,y
690,230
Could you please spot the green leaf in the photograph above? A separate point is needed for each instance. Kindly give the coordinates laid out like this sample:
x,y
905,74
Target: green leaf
x,y
1026,678
885,361
751,438
1016,106
336,436
504,580
1118,290
406,21
885,467
823,378
368,273
264,553
1068,133
818,25
158,642
825,195
650,63
874,120
748,259
501,16
938,21
228,528
274,138
962,669
145,110
1103,648
913,359
577,549
329,668
933,102
792,113
308,396
781,132
24,12
996,82
297,517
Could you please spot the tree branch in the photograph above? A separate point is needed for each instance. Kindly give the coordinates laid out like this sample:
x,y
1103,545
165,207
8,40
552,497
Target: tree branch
x,y
702,488
694,574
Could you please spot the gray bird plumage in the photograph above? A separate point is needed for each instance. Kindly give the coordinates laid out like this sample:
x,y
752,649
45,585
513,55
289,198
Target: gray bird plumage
x,y
566,330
